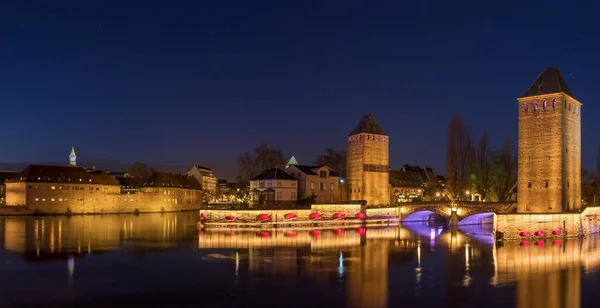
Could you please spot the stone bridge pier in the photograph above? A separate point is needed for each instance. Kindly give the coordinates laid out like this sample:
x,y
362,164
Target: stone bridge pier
x,y
458,212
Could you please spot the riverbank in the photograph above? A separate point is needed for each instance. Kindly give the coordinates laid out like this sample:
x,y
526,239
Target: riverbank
x,y
25,211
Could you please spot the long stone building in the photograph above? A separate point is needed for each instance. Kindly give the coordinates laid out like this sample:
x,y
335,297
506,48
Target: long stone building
x,y
69,189
367,163
549,159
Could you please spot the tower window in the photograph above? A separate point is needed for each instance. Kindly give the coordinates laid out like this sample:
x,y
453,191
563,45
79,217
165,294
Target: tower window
x,y
577,110
554,103
526,106
544,104
529,185
568,185
546,184
535,106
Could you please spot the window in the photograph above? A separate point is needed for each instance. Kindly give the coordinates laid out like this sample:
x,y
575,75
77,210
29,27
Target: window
x,y
52,199
332,187
278,196
322,186
293,196
544,104
535,106
323,174
91,188
293,184
261,184
554,103
568,185
37,199
60,199
526,106
312,185
546,184
278,183
53,187
43,199
529,185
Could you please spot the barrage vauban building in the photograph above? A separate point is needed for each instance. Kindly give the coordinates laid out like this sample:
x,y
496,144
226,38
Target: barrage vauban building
x,y
320,181
72,189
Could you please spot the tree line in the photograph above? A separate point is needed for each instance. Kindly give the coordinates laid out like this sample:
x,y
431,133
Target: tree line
x,y
476,166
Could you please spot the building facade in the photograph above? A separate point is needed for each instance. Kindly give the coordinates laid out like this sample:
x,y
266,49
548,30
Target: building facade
x,y
204,176
549,155
321,181
41,186
5,176
368,163
174,188
273,187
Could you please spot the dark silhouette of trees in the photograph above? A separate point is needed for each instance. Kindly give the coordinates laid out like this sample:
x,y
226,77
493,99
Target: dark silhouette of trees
x,y
139,172
262,158
458,149
335,159
504,171
482,167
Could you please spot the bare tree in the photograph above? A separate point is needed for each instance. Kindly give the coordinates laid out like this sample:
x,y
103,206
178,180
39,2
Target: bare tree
x,y
504,172
458,148
482,167
262,158
335,159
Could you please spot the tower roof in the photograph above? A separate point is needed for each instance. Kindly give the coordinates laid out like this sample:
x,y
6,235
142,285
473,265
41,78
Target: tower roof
x,y
292,161
548,82
368,125
72,152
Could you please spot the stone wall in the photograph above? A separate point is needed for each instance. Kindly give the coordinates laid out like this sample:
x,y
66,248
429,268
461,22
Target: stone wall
x,y
576,224
549,150
276,215
382,211
329,209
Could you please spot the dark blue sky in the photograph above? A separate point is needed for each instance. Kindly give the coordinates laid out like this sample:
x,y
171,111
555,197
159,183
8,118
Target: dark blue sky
x,y
204,81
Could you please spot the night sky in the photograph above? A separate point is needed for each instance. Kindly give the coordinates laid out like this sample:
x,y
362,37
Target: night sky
x,y
204,81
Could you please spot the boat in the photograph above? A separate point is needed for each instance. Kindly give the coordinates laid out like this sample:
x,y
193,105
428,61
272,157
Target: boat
x,y
290,216
264,234
315,216
338,215
539,233
230,218
524,234
556,232
290,234
263,217
202,217
361,231
315,233
360,215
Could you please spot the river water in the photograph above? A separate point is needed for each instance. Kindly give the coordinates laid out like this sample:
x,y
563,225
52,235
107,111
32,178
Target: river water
x,y
163,260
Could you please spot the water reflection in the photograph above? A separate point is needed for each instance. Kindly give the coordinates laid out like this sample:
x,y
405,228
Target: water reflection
x,y
58,237
414,264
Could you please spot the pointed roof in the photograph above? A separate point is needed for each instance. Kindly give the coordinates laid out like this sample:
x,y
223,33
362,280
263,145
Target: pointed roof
x,y
368,125
72,151
548,82
292,161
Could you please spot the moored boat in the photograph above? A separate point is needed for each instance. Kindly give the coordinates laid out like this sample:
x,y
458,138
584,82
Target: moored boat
x,y
290,216
315,216
263,217
338,215
230,218
360,215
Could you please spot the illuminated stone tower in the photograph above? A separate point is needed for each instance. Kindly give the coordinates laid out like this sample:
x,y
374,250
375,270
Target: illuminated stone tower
x,y
367,163
549,171
73,158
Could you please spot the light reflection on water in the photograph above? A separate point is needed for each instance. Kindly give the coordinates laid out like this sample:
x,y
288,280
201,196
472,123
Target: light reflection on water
x,y
80,257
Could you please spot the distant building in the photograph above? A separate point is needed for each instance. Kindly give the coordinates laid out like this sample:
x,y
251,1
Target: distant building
x,y
205,177
174,188
5,176
57,185
273,187
368,163
321,181
222,186
405,186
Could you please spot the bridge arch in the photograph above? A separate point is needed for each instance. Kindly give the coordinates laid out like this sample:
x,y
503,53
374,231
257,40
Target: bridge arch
x,y
424,214
481,218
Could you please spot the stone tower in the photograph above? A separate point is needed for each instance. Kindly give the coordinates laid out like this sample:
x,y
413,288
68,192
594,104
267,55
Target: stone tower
x,y
549,167
367,163
73,158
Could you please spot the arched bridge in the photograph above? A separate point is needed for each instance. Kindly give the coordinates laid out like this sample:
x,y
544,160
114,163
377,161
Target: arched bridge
x,y
461,212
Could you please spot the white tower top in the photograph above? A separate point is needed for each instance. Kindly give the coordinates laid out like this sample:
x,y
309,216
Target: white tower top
x,y
73,157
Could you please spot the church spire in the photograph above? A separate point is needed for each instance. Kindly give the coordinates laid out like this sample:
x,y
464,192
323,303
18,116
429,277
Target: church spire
x,y
73,157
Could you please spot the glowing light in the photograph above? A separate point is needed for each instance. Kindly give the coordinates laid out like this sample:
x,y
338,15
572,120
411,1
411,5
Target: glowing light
x,y
341,265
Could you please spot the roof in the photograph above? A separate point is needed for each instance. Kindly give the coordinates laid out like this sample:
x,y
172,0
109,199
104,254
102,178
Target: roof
x,y
309,170
548,82
61,174
273,174
202,167
72,152
368,125
292,161
164,179
7,175
399,178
